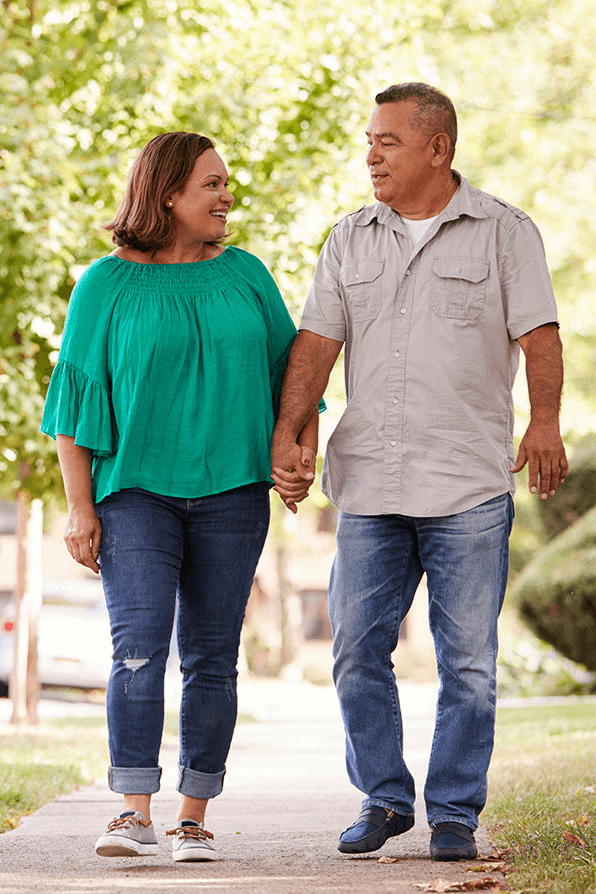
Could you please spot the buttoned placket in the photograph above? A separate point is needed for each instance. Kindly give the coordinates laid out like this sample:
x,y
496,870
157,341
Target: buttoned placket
x,y
396,390
396,382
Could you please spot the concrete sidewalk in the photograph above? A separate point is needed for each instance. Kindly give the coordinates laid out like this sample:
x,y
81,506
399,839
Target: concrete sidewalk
x,y
276,824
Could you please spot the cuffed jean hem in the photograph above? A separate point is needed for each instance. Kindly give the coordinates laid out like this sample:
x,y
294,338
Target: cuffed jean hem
x,y
454,819
195,784
134,780
378,802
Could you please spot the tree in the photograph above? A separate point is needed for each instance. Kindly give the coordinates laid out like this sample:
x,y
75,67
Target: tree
x,y
285,87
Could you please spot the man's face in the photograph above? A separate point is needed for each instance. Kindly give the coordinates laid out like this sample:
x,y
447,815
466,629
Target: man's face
x,y
398,157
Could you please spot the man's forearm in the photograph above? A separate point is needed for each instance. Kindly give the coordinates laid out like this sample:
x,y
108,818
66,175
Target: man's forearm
x,y
309,366
544,372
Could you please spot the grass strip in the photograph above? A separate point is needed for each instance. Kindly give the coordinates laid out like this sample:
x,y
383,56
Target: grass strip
x,y
39,764
542,802
54,758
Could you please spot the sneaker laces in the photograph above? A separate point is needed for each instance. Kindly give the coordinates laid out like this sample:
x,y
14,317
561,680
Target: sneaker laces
x,y
130,822
195,832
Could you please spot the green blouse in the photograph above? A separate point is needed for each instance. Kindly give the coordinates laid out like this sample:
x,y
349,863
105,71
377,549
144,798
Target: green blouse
x,y
169,373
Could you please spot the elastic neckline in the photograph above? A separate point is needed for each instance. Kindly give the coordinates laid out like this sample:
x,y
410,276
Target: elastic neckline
x,y
163,264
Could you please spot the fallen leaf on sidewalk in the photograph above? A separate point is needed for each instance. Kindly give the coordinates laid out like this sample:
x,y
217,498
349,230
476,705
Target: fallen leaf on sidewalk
x,y
494,866
441,885
390,859
437,885
501,854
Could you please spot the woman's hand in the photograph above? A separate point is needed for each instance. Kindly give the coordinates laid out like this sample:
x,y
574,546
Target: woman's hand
x,y
293,484
83,536
83,529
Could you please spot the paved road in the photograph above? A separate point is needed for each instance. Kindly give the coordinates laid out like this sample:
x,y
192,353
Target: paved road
x,y
276,824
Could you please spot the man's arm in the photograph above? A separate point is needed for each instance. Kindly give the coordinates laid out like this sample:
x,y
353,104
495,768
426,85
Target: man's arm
x,y
293,486
541,446
307,372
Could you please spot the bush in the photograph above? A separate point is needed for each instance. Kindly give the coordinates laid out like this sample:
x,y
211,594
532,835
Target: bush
x,y
556,593
574,498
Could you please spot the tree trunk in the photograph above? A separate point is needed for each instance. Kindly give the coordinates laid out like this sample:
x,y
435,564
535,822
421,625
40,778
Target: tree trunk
x,y
24,683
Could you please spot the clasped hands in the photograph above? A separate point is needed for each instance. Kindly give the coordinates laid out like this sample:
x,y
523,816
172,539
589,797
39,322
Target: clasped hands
x,y
293,472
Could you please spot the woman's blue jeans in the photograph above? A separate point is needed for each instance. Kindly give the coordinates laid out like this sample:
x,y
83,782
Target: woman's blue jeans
x,y
378,566
205,552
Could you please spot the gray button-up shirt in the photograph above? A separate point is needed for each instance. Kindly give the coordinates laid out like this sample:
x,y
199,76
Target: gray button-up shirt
x,y
430,353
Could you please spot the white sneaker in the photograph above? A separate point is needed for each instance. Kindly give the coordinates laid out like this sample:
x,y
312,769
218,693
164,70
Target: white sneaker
x,y
191,842
128,835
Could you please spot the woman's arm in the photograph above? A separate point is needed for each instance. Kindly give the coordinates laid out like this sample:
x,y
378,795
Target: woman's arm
x,y
83,529
293,485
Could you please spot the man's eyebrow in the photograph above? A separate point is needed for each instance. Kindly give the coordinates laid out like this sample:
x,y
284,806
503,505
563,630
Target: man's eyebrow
x,y
387,133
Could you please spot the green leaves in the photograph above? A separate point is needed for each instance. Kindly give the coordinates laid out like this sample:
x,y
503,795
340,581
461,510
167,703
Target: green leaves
x,y
285,89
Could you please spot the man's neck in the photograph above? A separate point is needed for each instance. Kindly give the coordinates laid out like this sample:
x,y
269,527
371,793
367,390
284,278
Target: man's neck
x,y
433,201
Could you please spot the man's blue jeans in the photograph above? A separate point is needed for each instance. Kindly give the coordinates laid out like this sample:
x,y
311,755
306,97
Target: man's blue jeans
x,y
204,551
378,566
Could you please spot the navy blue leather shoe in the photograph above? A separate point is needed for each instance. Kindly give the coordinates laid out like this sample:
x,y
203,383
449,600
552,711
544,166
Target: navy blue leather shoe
x,y
372,829
452,841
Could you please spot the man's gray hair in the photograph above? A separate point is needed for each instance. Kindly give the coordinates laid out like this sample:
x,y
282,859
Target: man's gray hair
x,y
434,112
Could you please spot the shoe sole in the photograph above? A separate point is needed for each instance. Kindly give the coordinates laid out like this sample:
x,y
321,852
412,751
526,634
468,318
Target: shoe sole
x,y
186,856
108,847
450,854
372,842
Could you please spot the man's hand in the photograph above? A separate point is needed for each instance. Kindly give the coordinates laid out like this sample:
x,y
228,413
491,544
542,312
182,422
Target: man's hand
x,y
541,446
542,449
293,473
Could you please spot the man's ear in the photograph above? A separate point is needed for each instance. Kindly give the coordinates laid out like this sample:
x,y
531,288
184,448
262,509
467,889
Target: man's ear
x,y
441,149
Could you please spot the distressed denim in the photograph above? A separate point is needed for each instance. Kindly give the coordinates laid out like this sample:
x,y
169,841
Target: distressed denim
x,y
378,566
201,553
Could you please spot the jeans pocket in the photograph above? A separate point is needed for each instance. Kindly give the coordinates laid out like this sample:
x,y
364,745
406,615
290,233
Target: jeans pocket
x,y
458,287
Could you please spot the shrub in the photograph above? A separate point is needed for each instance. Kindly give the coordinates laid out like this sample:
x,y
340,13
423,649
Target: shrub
x,y
556,592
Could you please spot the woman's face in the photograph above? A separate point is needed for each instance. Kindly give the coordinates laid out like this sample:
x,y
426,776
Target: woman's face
x,y
200,209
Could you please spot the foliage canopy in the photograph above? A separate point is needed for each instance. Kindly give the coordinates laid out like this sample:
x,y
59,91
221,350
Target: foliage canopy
x,y
285,88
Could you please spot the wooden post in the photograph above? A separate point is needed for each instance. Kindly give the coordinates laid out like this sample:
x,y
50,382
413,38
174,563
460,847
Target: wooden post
x,y
24,683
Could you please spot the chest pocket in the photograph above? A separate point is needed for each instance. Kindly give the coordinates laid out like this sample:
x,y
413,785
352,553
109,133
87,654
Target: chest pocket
x,y
362,282
458,287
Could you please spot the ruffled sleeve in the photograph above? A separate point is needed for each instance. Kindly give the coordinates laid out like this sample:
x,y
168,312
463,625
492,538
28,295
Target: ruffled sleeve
x,y
79,407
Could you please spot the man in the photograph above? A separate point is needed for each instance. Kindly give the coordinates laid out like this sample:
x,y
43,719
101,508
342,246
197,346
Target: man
x,y
433,290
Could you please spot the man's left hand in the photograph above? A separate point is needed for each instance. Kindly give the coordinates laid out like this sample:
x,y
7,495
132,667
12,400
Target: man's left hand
x,y
542,449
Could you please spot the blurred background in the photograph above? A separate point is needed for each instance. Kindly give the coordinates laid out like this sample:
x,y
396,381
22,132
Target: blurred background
x,y
285,87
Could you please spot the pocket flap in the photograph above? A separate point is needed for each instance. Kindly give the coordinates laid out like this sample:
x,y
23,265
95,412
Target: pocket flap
x,y
362,271
470,269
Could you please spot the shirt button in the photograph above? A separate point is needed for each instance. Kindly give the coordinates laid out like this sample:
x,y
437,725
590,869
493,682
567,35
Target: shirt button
x,y
403,310
392,443
395,400
408,272
397,354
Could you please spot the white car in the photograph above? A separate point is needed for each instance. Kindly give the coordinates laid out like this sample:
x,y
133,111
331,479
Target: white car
x,y
74,643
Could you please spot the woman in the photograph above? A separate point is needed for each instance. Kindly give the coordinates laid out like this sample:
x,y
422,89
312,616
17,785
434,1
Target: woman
x,y
162,405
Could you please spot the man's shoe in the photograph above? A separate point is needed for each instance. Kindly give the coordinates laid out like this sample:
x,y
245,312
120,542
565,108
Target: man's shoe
x,y
372,829
452,841
191,842
128,835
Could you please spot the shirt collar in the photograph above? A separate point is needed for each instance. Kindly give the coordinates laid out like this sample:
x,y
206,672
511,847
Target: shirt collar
x,y
464,202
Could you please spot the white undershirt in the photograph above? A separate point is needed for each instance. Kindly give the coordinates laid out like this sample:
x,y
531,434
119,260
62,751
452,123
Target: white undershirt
x,y
417,228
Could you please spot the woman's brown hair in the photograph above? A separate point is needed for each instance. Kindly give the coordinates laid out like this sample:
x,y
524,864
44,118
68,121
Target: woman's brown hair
x,y
162,168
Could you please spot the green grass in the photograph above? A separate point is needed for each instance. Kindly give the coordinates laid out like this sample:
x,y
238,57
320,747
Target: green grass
x,y
542,803
38,765
54,758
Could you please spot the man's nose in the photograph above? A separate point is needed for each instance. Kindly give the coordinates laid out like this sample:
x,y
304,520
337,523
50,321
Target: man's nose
x,y
372,155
